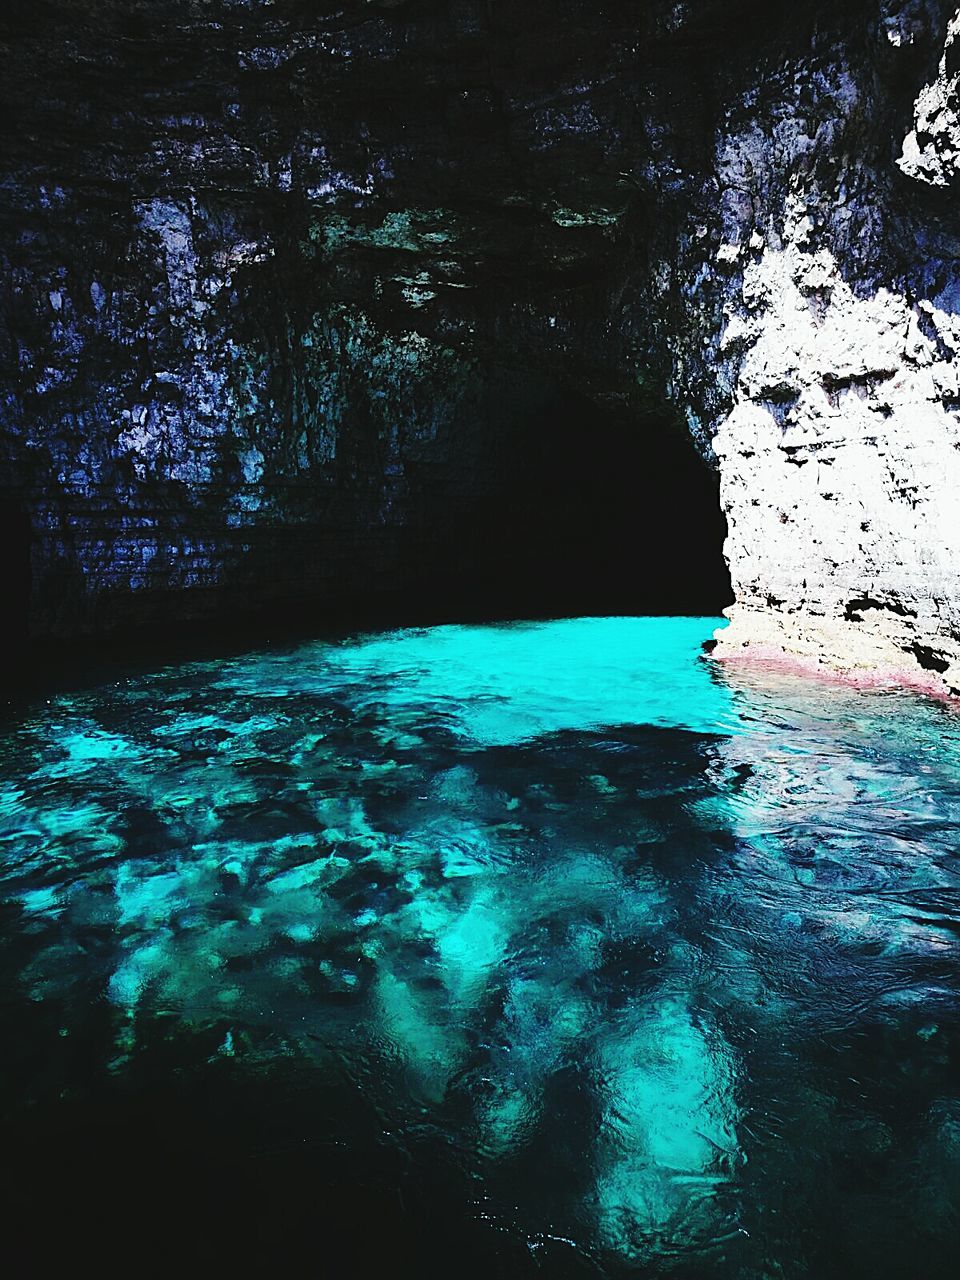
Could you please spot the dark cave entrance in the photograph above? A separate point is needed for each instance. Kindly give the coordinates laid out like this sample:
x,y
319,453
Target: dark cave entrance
x,y
15,578
538,500
561,505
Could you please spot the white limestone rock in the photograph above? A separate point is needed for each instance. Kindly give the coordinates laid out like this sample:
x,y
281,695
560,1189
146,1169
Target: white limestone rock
x,y
840,476
931,150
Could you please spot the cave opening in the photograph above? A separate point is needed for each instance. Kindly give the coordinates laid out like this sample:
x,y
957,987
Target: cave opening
x,y
15,539
539,500
564,504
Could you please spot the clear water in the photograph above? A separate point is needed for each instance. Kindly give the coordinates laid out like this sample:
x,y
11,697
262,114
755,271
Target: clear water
x,y
532,949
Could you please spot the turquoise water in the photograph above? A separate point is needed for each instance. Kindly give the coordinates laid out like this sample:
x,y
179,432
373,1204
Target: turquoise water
x,y
537,948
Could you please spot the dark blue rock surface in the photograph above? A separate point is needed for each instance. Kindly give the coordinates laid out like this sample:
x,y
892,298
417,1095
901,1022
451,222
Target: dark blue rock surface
x,y
381,301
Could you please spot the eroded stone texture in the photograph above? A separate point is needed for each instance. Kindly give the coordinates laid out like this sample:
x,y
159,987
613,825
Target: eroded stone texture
x,y
838,442
931,150
311,301
841,469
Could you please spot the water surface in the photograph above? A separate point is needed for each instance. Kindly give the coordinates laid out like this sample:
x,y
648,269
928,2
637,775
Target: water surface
x,y
532,949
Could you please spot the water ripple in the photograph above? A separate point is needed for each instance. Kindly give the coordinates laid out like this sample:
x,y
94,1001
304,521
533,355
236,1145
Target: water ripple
x,y
658,967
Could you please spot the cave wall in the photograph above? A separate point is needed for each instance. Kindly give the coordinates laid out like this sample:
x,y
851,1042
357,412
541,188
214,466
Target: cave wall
x,y
287,289
839,449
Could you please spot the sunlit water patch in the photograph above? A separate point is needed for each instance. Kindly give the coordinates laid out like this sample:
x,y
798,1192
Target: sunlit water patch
x,y
526,949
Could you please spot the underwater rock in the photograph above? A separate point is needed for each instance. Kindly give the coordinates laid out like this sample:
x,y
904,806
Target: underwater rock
x,y
668,1132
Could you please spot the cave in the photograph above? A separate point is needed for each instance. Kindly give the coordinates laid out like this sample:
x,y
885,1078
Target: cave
x,y
515,523
15,538
480,548
502,516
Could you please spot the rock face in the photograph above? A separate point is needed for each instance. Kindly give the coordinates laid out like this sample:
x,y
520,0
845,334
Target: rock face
x,y
840,453
841,472
931,150
304,302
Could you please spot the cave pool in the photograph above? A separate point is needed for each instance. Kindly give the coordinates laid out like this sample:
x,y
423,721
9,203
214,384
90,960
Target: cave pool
x,y
541,948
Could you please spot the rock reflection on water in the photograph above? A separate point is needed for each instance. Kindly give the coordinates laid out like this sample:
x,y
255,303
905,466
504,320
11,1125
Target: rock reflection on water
x,y
666,958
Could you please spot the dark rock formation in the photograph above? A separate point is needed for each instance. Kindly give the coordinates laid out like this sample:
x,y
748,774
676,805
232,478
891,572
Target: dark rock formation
x,y
413,298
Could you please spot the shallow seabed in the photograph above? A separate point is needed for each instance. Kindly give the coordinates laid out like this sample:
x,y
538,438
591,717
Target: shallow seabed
x,y
531,949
